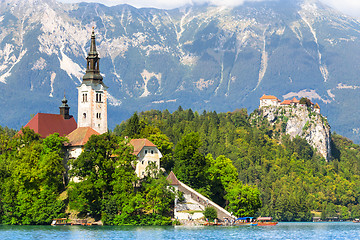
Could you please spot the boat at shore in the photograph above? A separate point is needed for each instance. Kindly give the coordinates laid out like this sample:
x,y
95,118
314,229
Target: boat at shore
x,y
265,221
59,221
64,221
245,221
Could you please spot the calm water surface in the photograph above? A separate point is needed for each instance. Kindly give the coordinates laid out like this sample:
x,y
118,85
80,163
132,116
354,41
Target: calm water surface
x,y
347,230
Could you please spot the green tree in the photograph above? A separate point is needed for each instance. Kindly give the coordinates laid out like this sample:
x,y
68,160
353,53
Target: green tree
x,y
243,200
305,101
34,180
132,128
95,168
190,164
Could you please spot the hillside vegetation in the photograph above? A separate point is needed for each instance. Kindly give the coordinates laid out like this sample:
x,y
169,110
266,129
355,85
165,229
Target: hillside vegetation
x,y
249,170
292,179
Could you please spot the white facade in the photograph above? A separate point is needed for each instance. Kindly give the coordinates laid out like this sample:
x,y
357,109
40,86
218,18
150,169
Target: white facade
x,y
145,157
269,102
92,106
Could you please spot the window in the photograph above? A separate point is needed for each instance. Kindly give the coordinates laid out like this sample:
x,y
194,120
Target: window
x,y
98,115
84,115
98,97
152,151
142,162
84,97
145,151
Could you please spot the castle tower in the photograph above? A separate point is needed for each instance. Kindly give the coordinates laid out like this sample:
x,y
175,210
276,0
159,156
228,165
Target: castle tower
x,y
92,94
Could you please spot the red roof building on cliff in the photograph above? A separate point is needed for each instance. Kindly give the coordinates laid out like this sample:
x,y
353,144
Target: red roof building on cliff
x,y
272,101
269,100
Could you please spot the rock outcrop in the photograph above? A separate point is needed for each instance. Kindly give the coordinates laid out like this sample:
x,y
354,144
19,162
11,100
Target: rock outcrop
x,y
300,121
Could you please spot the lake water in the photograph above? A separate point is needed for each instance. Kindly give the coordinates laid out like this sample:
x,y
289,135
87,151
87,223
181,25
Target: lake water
x,y
346,230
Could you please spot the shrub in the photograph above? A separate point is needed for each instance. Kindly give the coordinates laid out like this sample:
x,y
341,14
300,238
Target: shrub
x,y
210,213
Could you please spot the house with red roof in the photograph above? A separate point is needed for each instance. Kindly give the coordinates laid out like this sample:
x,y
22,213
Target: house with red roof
x,y
147,154
269,100
77,139
285,103
294,101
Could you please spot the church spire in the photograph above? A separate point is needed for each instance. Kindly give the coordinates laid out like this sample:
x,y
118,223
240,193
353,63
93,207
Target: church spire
x,y
92,66
93,44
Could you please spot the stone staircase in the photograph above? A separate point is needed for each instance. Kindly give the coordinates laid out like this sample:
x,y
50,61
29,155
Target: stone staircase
x,y
194,202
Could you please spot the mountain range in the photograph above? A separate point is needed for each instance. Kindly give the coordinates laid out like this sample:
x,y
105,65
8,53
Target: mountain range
x,y
201,57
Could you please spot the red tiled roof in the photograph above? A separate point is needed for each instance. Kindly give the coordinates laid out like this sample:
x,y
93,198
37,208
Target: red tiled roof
x,y
286,102
270,97
173,179
139,144
317,106
81,135
294,100
46,124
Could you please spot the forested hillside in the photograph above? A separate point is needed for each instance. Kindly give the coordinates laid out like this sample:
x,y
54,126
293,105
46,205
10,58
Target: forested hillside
x,y
291,178
248,169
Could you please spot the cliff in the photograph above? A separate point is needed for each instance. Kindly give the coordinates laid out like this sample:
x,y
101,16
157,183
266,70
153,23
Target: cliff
x,y
299,121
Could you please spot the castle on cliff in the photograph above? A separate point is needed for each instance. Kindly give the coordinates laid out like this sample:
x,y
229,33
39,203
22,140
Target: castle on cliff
x,y
272,101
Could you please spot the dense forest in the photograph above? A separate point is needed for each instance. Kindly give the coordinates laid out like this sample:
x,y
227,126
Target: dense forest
x,y
35,186
249,170
294,182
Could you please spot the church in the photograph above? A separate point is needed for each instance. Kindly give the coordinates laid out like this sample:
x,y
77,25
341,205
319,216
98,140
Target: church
x,y
92,117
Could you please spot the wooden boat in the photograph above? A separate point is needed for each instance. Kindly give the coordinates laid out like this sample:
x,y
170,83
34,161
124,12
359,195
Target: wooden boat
x,y
265,221
82,222
245,221
212,224
246,224
59,221
215,223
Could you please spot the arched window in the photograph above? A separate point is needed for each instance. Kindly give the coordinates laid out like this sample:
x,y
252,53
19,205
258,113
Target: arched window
x,y
84,115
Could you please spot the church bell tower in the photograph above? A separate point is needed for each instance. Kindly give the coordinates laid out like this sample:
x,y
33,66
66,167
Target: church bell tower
x,y
92,94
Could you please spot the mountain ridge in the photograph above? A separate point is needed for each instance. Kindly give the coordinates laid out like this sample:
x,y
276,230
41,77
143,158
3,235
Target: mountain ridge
x,y
200,57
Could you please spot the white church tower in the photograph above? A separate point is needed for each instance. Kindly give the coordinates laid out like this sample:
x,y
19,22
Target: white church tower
x,y
92,94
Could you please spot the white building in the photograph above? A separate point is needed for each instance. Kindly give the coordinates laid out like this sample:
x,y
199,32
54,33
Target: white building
x,y
147,153
269,100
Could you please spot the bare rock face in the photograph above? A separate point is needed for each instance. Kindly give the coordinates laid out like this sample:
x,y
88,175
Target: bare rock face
x,y
301,121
